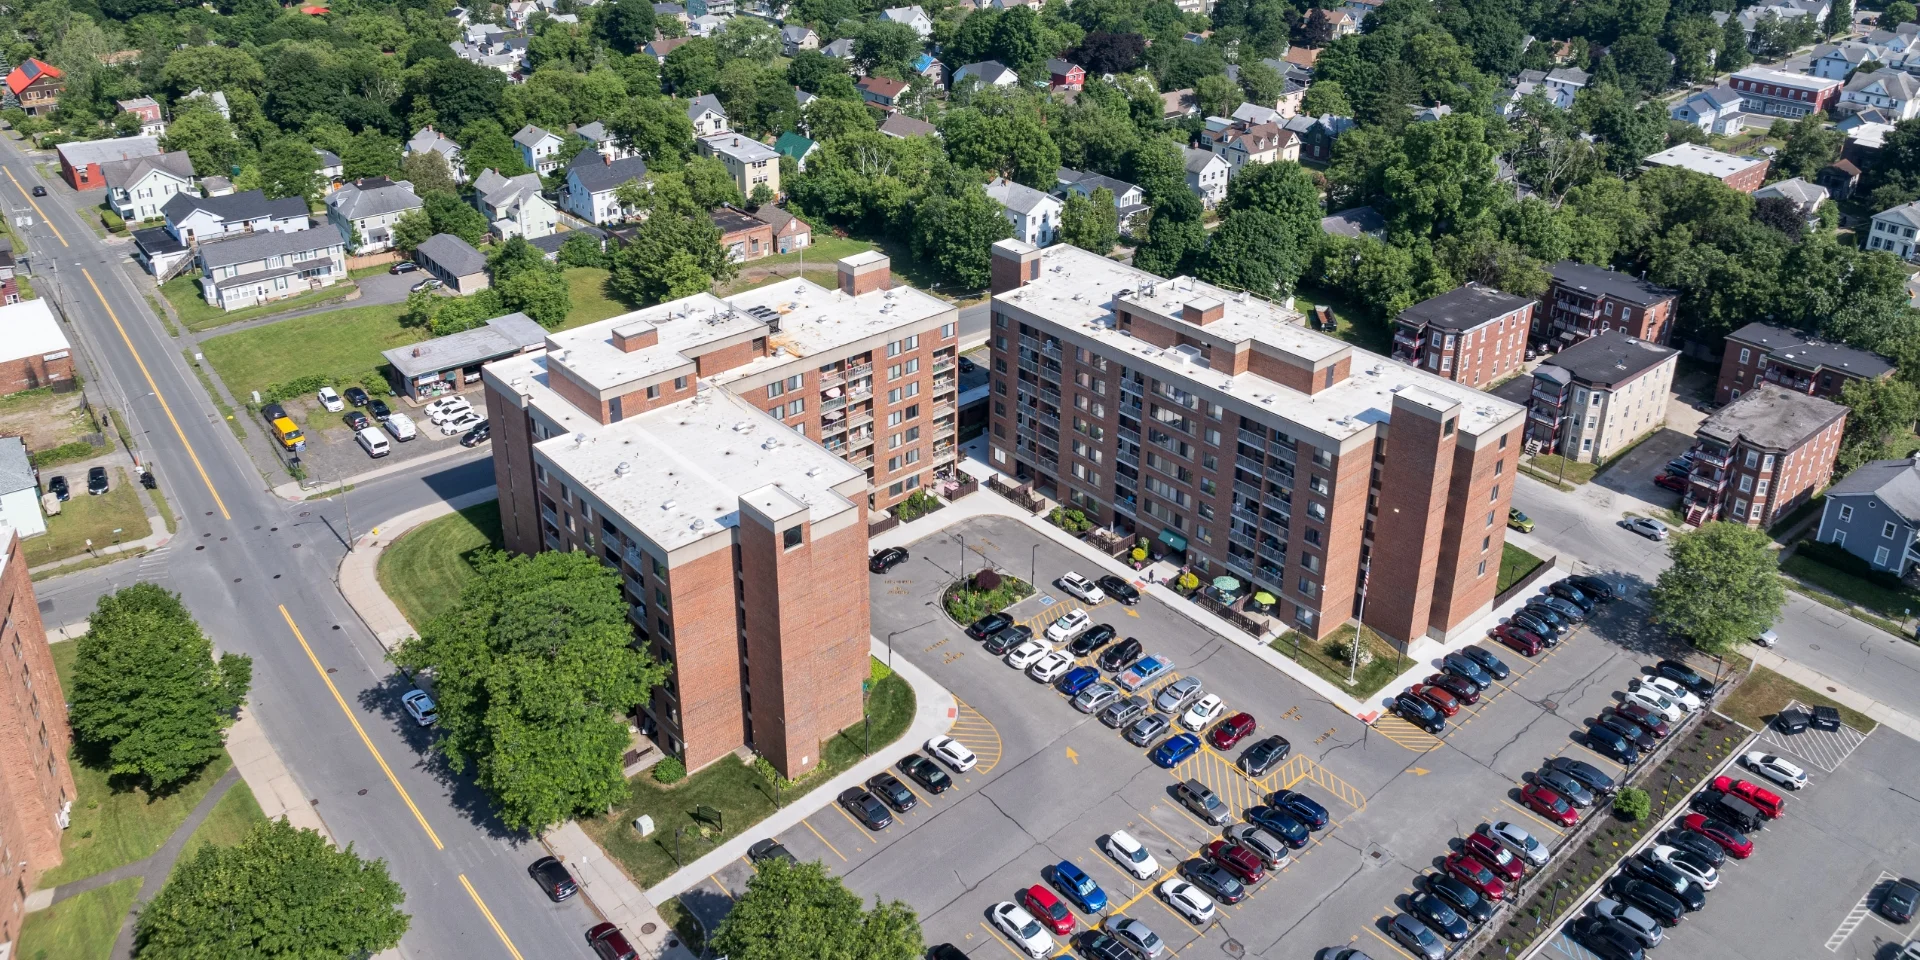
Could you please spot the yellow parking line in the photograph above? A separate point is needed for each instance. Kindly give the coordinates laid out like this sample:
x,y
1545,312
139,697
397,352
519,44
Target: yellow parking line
x,y
723,887
817,836
856,824
1556,828
1103,858
1610,762
495,924
1149,822
996,937
36,208
1182,810
1396,947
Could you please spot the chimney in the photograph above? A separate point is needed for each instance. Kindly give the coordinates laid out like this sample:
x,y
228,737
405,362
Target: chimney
x,y
1201,311
606,159
865,273
1015,264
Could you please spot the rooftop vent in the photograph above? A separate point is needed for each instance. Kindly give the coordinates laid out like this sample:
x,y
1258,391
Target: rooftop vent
x,y
666,504
579,438
623,469
697,523
744,426
771,443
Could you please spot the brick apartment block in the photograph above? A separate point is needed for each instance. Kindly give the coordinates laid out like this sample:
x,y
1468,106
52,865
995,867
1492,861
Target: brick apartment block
x,y
1597,397
725,454
1242,442
34,351
1472,334
36,787
1762,455
1585,301
1759,353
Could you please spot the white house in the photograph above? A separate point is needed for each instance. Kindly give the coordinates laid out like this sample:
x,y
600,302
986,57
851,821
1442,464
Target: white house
x,y
429,140
708,116
911,16
1895,93
539,150
253,268
1714,111
600,140
1837,61
368,208
138,188
19,491
193,219
1806,197
795,37
592,181
1207,176
1129,201
514,206
990,73
218,98
1893,230
1035,216
706,26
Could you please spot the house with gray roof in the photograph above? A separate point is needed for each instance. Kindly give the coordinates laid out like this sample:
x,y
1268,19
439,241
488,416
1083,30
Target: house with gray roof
x,y
1874,514
368,208
194,219
841,48
453,262
514,206
592,182
429,140
1599,396
19,490
138,188
539,150
421,368
1716,110
708,116
604,141
1895,94
795,37
1893,230
1035,216
255,268
332,172
913,16
1129,201
750,162
990,73
901,126
1355,222
1207,176
1805,197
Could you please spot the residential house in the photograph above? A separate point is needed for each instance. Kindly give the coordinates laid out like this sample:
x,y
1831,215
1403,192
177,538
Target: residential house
x,y
1874,514
1895,93
496,49
1066,75
1840,178
1599,396
9,282
1762,353
989,73
152,124
911,16
140,187
19,494
215,186
1035,216
37,85
1902,38
659,47
752,163
539,150
840,49
742,235
331,173
1241,143
602,141
795,146
882,92
1129,201
191,220
1472,334
1893,230
218,98
1428,114
514,206
35,352
1838,61
1781,94
1585,301
80,160
1757,458
1562,83
673,10
1178,104
254,268
795,37
454,262
935,71
1805,197
593,179
790,233
1715,111
902,126
1207,176
1355,222
1317,134
429,140
366,210
552,242
1255,113
1744,174
707,25
708,116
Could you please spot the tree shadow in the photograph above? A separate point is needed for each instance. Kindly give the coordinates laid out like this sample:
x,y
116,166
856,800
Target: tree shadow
x,y
98,758
707,907
466,796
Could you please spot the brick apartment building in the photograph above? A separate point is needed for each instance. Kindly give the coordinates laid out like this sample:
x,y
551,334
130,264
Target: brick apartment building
x,y
36,786
1782,94
1597,397
1583,301
1762,455
692,442
34,352
1473,335
1245,444
1760,352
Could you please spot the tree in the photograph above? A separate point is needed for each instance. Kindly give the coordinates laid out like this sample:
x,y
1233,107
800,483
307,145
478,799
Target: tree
x,y
582,250
1879,413
657,129
1733,53
1632,804
1896,13
1090,223
371,154
147,692
1216,95
462,93
799,910
692,68
1809,146
534,669
1102,53
1250,252
675,251
282,892
710,184
289,168
1175,235
626,24
205,135
1326,97
212,68
411,230
1723,588
955,229
428,172
541,294
449,214
827,118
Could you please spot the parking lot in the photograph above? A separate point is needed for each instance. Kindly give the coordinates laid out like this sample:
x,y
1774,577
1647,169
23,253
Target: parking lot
x,y
1053,782
332,453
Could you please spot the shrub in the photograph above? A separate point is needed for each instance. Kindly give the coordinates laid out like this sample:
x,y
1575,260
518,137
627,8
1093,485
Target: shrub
x,y
917,504
64,453
1188,581
1839,558
1072,521
1632,804
113,221
986,580
1342,652
1138,555
671,770
299,386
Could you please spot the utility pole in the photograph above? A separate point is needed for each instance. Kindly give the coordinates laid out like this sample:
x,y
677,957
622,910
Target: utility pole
x,y
1353,661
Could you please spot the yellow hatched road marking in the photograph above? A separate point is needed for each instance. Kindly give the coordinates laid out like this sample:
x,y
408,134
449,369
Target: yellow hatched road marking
x,y
1323,778
972,728
495,924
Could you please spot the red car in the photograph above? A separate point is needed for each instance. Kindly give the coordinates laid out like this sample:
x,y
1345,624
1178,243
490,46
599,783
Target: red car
x,y
1732,841
1766,801
1524,642
1470,871
1231,731
609,943
1646,719
1462,689
1671,482
1237,860
1491,853
1549,804
1047,909
1439,698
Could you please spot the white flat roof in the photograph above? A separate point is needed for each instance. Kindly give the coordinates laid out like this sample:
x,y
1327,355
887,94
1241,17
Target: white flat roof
x,y
815,320
28,329
588,352
1699,159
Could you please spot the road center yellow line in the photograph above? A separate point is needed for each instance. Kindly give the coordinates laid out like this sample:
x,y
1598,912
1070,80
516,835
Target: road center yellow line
x,y
157,395
495,924
377,758
36,208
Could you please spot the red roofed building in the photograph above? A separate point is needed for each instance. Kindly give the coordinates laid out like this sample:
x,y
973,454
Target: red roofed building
x,y
882,92
37,86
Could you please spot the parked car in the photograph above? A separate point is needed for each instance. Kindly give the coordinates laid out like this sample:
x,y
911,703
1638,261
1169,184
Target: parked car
x,y
1260,759
1271,850
1900,901
1548,804
1646,526
1572,594
1051,666
1204,711
1626,730
1493,665
1092,944
1217,881
1238,860
866,808
1595,587
357,396
1007,639
1187,900
1694,866
1646,867
1584,772
1606,940
478,435
1646,930
1048,909
57,485
1026,654
1095,697
1092,640
1566,608
429,283
1521,641
1468,668
462,423
1732,841
1175,749
1130,854
1204,803
885,560
1139,938
1178,695
1648,720
1086,590
1458,686
769,850
1685,676
1421,942
1231,731
1671,482
357,421
1666,709
1519,521
1770,804
1074,884
1068,627
1118,590
272,411
1566,786
96,480
1022,928
953,753
926,773
1611,745
1672,690
608,943
988,625
330,399
1438,915
1516,838
1460,897
1119,656
1662,906
1304,808
1419,712
420,707
403,266
1281,823
1147,729
379,410
1123,711
1680,467
1684,839
891,791
1441,699
1505,865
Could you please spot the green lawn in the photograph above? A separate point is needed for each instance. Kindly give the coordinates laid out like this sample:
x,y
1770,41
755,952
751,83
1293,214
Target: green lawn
x,y
88,517
1515,563
826,277
1553,467
184,293
113,823
233,817
1765,693
592,301
1352,321
1314,655
424,571
1891,601
80,928
825,250
343,344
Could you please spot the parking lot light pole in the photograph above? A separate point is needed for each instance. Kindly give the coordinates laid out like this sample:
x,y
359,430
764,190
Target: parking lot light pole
x,y
1033,567
963,558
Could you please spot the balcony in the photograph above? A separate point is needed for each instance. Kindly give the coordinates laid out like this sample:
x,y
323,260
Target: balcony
x,y
942,451
1030,366
1258,441
1049,464
1278,504
859,370
1129,457
941,431
830,428
1246,490
864,461
1243,538
830,405
862,441
943,409
944,385
1407,339
1051,349
1551,420
1248,464
943,364
1279,474
860,418
832,378
1718,458
1555,399
1716,480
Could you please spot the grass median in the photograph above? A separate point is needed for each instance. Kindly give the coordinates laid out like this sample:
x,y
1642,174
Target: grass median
x,y
1327,658
1515,564
424,571
1764,693
341,344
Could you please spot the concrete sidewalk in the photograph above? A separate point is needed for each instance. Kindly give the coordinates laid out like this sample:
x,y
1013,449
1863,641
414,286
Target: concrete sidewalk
x,y
1897,720
359,578
613,896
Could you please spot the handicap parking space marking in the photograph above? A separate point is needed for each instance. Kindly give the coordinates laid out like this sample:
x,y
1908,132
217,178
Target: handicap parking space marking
x,y
1857,915
1567,948
1825,750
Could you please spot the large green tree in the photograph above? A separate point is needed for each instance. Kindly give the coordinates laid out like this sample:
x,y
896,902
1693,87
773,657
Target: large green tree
x,y
535,670
289,168
675,250
799,911
955,230
1090,223
282,894
1879,413
147,693
1723,588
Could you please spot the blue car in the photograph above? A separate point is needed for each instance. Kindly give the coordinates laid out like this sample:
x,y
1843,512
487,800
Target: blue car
x,y
1304,808
1078,679
1281,824
1175,749
1074,884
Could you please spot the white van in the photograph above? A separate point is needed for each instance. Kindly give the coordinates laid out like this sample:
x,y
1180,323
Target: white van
x,y
373,443
401,426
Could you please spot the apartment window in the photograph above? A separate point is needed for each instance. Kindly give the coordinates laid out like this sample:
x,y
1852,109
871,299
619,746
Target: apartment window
x,y
1740,509
1744,353
1753,459
1489,518
1320,485
1761,488
893,396
893,464
797,407
1846,513
777,411
653,393
778,388
948,330
1308,588
1766,462
679,383
1880,556
1888,530
1499,467
1483,569
1494,494
1503,441
790,538
1746,484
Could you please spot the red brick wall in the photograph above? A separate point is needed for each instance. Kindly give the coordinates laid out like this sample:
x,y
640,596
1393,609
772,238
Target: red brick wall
x,y
1735,375
726,358
1414,487
1748,180
1343,532
35,782
82,178
28,373
577,395
1475,531
512,444
706,645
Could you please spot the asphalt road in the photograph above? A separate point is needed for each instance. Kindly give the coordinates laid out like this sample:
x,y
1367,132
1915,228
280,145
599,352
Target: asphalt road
x,y
257,573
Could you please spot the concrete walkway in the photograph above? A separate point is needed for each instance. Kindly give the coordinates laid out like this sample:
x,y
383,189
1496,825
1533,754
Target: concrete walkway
x,y
296,491
1898,720
360,569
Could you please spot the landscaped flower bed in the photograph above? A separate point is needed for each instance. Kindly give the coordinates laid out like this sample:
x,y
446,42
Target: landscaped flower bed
x,y
987,591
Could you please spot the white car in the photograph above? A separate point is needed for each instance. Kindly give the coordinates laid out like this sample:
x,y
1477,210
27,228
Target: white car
x,y
420,707
953,753
1767,639
1704,875
461,424
1020,927
1075,623
1204,711
1652,700
441,414
1776,769
1687,699
1188,901
1049,667
1130,854
1024,655
331,400
1083,588
443,403
1515,838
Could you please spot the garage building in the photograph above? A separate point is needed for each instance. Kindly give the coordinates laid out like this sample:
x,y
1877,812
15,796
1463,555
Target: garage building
x,y
440,366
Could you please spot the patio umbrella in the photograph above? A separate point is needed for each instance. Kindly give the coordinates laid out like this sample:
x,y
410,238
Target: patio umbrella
x,y
1264,599
1226,584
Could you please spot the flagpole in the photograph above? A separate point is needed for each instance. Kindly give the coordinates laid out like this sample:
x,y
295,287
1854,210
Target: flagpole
x,y
1353,660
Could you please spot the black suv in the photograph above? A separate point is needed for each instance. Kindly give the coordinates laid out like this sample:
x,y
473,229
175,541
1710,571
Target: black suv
x,y
1685,676
552,876
1007,638
887,559
1122,654
1120,590
96,480
1419,713
1595,587
988,625
1092,640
